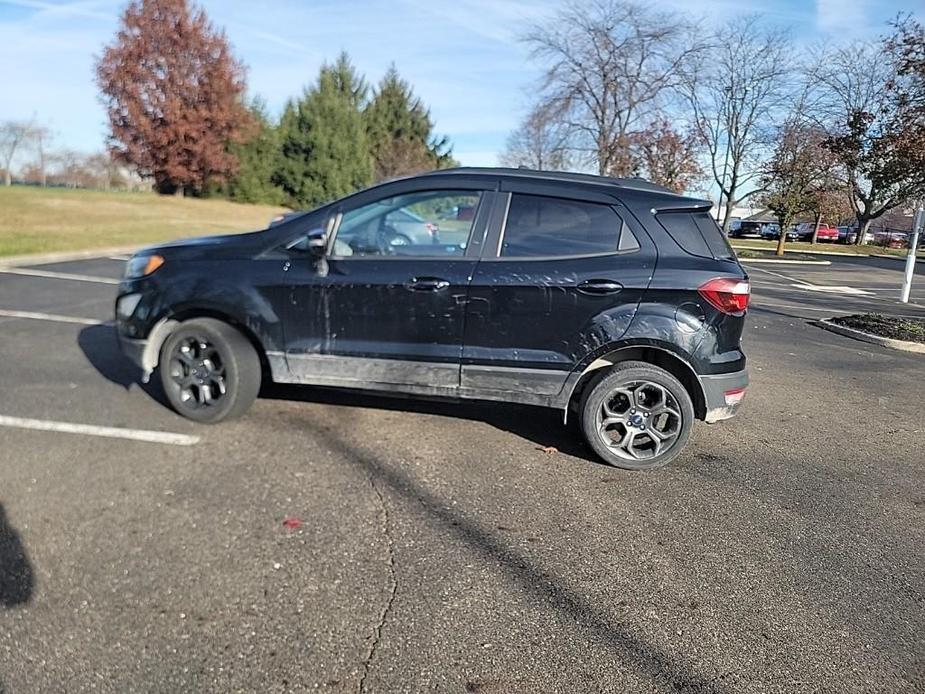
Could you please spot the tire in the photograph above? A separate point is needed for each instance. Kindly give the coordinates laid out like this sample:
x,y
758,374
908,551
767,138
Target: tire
x,y
209,371
657,432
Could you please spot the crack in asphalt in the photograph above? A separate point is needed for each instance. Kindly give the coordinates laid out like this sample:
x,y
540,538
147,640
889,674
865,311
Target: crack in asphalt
x,y
386,524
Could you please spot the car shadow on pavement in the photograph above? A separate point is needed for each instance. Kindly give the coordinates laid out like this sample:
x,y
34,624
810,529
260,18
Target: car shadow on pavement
x,y
540,425
101,348
624,640
17,580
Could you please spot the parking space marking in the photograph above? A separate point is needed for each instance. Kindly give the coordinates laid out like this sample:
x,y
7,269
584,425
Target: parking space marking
x,y
106,432
759,303
53,317
831,289
48,274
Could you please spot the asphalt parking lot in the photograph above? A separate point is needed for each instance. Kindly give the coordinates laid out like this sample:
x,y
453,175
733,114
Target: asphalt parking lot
x,y
439,547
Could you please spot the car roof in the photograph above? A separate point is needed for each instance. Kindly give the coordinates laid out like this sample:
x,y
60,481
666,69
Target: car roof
x,y
636,184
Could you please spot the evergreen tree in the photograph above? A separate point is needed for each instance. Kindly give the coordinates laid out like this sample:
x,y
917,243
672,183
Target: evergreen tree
x,y
257,158
400,131
323,146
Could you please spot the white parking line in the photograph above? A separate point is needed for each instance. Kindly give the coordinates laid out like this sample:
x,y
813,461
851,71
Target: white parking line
x,y
29,272
8,313
106,432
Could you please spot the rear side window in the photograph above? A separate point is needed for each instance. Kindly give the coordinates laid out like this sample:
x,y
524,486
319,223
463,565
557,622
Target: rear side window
x,y
696,233
539,226
713,235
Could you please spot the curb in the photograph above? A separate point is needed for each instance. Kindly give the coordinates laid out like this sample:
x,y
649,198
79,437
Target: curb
x,y
903,345
809,252
832,253
63,256
774,261
894,257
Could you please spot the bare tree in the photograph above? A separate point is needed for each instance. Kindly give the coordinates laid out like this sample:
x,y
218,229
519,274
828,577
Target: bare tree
x,y
788,178
540,142
41,136
13,136
735,95
668,157
610,68
874,130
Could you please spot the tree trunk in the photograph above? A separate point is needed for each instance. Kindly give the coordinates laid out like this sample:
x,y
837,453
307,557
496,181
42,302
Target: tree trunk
x,y
781,239
816,228
727,217
862,232
7,178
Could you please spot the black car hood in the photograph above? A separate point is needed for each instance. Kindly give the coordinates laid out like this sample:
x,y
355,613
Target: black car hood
x,y
223,245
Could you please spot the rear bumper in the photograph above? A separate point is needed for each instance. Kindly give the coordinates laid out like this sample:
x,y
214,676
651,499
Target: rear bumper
x,y
723,394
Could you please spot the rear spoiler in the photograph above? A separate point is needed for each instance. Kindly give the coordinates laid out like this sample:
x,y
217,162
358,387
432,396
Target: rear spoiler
x,y
683,205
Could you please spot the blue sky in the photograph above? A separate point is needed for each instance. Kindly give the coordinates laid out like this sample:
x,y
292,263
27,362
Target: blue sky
x,y
462,56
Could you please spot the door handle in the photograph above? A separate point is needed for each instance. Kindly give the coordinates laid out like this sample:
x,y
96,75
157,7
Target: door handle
x,y
427,284
599,287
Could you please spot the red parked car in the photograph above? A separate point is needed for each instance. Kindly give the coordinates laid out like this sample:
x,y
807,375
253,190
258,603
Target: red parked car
x,y
826,232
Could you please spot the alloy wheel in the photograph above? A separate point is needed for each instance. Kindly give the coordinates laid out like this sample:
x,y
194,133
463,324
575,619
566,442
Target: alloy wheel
x,y
197,369
639,420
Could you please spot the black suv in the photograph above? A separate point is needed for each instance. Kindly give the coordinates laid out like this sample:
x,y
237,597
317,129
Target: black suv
x,y
616,299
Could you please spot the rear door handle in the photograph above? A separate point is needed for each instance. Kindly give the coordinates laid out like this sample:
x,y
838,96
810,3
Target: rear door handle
x,y
427,284
599,287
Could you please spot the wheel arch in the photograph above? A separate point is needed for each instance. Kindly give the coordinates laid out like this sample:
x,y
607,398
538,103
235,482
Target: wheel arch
x,y
164,327
658,356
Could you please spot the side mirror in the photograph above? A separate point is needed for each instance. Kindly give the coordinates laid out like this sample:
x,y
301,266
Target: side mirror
x,y
317,242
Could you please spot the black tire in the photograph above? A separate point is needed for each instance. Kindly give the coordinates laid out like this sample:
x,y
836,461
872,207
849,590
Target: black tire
x,y
209,371
623,386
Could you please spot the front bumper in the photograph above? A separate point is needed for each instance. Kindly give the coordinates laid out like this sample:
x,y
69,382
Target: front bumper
x,y
723,394
133,349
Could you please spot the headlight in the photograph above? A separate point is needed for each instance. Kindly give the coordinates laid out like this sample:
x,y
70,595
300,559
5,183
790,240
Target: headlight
x,y
142,266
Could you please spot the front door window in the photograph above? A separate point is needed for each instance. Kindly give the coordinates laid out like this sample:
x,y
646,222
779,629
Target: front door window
x,y
425,224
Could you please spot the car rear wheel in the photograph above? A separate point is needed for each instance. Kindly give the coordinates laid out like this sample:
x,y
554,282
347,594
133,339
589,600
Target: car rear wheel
x,y
209,371
637,416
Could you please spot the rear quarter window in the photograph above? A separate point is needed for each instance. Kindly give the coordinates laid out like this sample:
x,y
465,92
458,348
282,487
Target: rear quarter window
x,y
696,233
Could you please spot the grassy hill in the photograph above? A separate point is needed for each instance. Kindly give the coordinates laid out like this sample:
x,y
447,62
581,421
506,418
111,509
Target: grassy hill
x,y
38,220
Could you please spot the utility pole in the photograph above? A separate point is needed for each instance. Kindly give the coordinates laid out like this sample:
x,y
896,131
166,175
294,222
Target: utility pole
x,y
917,224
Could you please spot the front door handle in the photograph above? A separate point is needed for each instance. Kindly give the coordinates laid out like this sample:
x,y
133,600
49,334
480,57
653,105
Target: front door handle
x,y
427,284
599,287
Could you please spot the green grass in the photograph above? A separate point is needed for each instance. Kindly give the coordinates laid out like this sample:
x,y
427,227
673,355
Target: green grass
x,y
40,220
749,253
803,247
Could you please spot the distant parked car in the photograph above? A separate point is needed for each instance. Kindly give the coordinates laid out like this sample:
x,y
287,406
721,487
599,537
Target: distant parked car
x,y
746,230
771,232
849,234
804,232
891,239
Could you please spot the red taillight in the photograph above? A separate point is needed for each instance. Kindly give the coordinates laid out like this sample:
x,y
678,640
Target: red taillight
x,y
734,397
728,294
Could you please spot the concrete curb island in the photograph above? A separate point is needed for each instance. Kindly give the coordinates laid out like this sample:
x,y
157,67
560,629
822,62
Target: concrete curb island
x,y
784,261
903,345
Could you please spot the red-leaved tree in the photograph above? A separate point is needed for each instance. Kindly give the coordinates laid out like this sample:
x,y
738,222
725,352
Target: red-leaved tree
x,y
174,95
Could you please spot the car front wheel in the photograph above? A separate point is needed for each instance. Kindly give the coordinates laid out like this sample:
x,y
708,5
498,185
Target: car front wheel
x,y
209,371
637,416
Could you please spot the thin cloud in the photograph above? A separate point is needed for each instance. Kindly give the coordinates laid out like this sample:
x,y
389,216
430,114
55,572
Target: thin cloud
x,y
50,10
842,16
